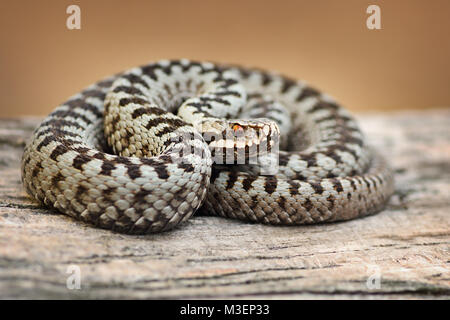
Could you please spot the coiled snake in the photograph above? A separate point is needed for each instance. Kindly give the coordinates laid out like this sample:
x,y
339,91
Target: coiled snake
x,y
134,153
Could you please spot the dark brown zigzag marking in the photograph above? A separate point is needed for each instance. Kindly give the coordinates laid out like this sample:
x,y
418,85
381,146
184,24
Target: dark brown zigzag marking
x,y
80,160
107,168
81,149
136,100
330,175
270,184
214,174
232,178
317,187
187,167
254,95
99,155
70,113
247,183
58,133
337,185
46,141
266,78
213,69
150,161
133,171
287,84
129,90
283,159
79,103
150,70
222,101
226,82
165,158
141,194
147,110
228,93
173,123
306,93
115,120
161,171
59,123
37,168
185,67
307,204
93,93
322,105
123,160
136,79
335,117
165,131
60,149
310,159
199,105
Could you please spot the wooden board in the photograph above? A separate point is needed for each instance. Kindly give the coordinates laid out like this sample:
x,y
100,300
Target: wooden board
x,y
403,252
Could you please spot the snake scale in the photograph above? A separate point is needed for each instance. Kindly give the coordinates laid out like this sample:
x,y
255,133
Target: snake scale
x,y
130,153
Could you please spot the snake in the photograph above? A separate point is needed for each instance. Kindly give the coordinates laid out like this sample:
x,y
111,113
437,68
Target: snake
x,y
141,151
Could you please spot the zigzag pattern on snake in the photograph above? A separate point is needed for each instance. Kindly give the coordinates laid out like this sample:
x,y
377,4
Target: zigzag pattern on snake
x,y
110,155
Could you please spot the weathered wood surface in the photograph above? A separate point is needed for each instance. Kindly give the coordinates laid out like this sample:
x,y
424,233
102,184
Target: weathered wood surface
x,y
406,246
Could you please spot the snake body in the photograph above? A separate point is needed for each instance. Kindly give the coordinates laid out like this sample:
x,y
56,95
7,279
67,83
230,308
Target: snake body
x,y
110,155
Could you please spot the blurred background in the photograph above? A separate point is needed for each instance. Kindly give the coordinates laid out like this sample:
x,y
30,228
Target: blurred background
x,y
406,64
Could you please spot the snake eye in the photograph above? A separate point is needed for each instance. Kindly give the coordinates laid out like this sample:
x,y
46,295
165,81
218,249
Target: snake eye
x,y
236,127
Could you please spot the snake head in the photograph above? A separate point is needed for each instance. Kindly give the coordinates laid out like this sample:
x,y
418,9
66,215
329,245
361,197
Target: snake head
x,y
238,141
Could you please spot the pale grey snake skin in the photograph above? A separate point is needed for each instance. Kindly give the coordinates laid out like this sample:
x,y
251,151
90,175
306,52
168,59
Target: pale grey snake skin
x,y
328,174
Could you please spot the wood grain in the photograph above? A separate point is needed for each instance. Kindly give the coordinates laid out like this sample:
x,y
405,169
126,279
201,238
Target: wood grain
x,y
406,246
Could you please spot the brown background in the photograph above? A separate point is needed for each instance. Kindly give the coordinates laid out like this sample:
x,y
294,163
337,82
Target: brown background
x,y
404,65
